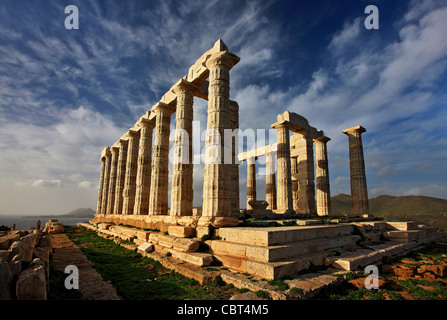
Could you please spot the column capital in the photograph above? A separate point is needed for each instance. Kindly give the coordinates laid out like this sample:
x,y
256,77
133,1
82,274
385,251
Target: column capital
x,y
184,86
161,107
132,133
280,125
114,150
105,153
354,130
322,139
225,58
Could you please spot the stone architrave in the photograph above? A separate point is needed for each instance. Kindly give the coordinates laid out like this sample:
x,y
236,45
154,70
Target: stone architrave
x,y
270,180
112,180
101,184
105,189
158,202
120,176
216,197
251,181
284,201
143,180
130,181
305,174
359,192
182,179
322,177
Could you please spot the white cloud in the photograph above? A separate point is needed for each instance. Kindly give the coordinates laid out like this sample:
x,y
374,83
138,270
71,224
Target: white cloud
x,y
46,183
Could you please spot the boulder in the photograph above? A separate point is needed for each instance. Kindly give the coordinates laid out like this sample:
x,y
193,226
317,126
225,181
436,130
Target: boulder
x,y
31,284
45,241
43,253
6,241
53,227
4,254
15,265
24,247
5,281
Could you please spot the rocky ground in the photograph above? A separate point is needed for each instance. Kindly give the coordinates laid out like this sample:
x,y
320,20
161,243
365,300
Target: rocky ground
x,y
418,276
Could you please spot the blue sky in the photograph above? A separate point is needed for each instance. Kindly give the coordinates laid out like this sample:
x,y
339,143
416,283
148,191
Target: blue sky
x,y
65,94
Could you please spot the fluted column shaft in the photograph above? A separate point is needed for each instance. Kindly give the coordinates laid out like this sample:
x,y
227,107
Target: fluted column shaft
x,y
306,175
359,192
182,179
105,189
101,186
130,181
234,167
322,177
251,181
294,171
143,180
158,202
284,175
216,193
112,181
270,181
120,176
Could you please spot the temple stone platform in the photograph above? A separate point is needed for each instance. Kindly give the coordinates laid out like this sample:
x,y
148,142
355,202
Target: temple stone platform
x,y
272,252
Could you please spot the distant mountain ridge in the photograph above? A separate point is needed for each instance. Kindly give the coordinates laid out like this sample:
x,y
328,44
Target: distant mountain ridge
x,y
422,209
78,213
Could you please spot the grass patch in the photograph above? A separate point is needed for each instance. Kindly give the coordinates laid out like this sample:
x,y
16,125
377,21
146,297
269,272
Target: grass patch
x,y
137,277
279,284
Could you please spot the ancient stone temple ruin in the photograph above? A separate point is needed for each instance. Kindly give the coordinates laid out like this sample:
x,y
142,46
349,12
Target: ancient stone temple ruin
x,y
297,228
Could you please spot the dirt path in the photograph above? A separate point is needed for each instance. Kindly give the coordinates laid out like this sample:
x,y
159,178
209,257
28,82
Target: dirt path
x,y
91,284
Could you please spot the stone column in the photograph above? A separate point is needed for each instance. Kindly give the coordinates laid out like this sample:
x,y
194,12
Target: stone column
x,y
234,167
284,174
216,198
182,179
101,183
130,181
112,182
322,177
294,171
120,176
143,180
306,175
105,189
158,202
251,181
270,180
359,192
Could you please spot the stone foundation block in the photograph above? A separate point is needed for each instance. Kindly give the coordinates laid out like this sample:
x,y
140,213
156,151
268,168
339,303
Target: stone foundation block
x,y
181,231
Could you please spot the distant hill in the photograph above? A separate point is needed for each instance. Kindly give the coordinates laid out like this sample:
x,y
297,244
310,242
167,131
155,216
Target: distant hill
x,y
78,213
424,210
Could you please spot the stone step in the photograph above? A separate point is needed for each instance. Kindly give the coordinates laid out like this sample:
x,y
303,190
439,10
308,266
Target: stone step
x,y
278,252
402,236
401,225
362,257
281,235
272,270
196,258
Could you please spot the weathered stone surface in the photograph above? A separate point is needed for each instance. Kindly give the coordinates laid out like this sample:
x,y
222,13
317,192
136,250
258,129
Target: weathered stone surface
x,y
7,240
246,296
31,284
186,245
15,265
146,247
5,281
4,254
311,284
181,231
54,227
24,247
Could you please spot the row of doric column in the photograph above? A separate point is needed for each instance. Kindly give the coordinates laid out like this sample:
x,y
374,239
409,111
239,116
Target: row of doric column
x,y
295,174
134,173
